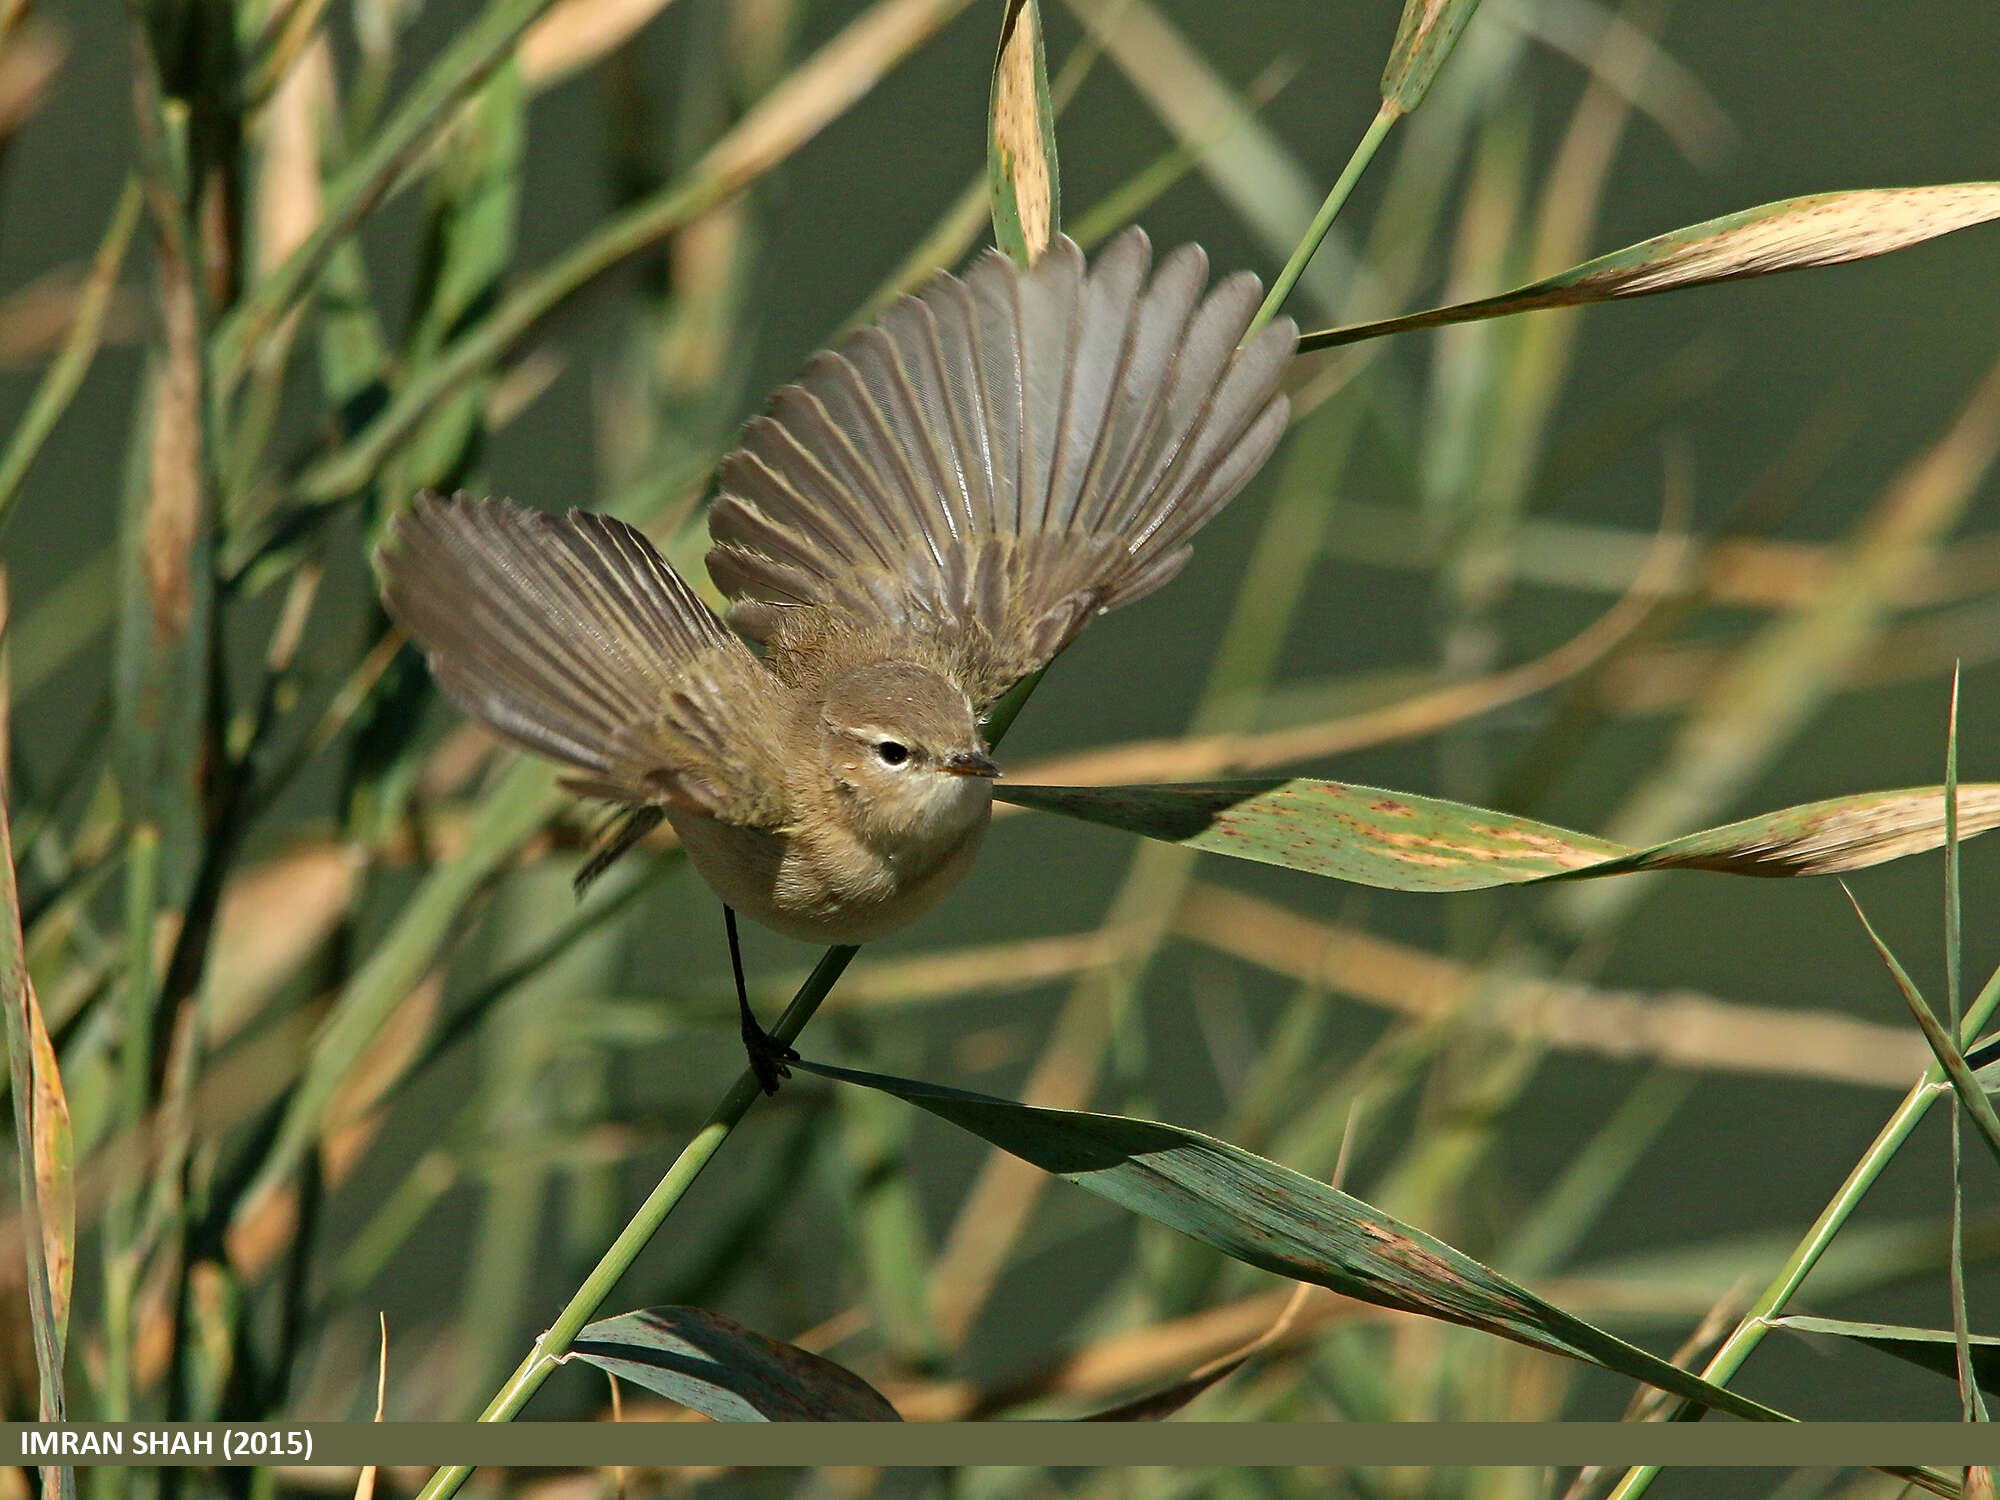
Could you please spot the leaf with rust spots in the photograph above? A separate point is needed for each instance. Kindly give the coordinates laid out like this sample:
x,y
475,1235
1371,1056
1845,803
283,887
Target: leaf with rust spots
x,y
1021,175
1399,842
1269,1216
1424,38
1358,833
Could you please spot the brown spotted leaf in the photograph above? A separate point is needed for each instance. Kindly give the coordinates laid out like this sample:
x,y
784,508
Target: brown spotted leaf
x,y
1400,842
1269,1216
1358,833
1021,174
720,1368
1793,234
1424,39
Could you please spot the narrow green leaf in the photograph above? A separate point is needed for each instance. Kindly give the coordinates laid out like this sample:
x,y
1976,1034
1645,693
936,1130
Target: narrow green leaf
x,y
478,49
1953,910
65,373
1424,39
474,200
1021,176
1824,229
718,1367
1930,1347
1948,1055
1397,841
1282,1221
811,97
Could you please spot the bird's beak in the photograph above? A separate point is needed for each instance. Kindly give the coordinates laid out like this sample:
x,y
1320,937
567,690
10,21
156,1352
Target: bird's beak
x,y
971,763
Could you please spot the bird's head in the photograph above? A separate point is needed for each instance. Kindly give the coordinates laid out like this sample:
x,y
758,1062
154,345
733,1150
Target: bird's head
x,y
904,756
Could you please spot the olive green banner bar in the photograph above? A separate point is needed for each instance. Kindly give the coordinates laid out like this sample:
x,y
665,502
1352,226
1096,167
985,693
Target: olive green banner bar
x,y
1084,1444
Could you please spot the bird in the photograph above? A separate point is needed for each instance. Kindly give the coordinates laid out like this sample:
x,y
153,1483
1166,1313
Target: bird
x,y
927,516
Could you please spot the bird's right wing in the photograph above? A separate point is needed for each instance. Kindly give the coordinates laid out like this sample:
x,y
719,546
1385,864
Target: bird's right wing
x,y
1004,456
571,636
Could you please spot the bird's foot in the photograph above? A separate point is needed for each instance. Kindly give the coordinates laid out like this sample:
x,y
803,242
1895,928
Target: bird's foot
x,y
768,1056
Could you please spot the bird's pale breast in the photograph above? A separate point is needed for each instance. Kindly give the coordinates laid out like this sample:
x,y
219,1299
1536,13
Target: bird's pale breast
x,y
828,886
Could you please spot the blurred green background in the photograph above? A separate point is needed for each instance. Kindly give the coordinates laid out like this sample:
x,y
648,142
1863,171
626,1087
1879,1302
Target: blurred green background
x,y
1821,387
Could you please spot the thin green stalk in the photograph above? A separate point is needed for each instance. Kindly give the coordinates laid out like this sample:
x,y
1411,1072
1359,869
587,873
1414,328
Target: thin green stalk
x,y
766,135
1336,198
479,49
1749,1333
1950,1057
552,1346
66,371
121,1219
1972,1402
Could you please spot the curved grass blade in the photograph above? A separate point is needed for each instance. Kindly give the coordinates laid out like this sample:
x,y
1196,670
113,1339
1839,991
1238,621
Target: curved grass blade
x,y
43,1143
1933,1348
1401,842
718,1367
1822,229
479,48
1021,176
1977,1105
1269,1216
59,383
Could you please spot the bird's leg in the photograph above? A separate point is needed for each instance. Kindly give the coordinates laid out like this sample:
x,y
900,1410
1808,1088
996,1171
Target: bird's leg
x,y
768,1055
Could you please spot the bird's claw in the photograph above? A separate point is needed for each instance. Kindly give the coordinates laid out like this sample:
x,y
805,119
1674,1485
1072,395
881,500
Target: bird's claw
x,y
768,1057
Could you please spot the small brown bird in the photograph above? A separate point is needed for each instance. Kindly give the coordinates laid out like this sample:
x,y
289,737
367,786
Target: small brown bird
x,y
929,515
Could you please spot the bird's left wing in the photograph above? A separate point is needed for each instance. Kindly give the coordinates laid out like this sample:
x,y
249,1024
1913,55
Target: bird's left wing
x,y
571,636
1003,457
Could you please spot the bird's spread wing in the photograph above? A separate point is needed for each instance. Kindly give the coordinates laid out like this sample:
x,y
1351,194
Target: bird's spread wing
x,y
1004,456
570,635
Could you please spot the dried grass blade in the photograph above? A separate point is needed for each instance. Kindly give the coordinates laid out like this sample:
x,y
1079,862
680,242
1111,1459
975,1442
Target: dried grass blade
x,y
46,1151
573,34
1822,229
463,66
1022,180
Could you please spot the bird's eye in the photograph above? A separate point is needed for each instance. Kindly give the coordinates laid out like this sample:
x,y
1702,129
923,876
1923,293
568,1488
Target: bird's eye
x,y
891,753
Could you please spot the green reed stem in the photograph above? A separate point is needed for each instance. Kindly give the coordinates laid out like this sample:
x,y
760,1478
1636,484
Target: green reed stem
x,y
553,1346
1749,1333
1336,198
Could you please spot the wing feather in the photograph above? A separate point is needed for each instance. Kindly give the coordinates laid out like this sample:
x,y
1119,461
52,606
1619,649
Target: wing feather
x,y
1004,456
572,636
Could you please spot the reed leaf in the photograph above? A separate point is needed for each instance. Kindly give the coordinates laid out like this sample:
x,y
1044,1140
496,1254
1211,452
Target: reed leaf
x,y
1282,1221
1424,38
716,1366
1400,842
1792,234
1022,180
1949,1057
79,347
1931,1348
464,65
